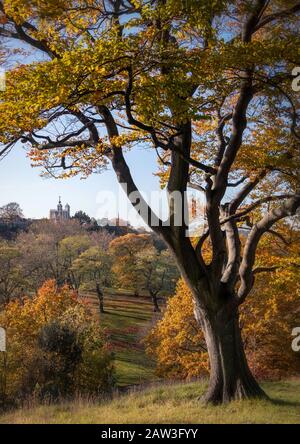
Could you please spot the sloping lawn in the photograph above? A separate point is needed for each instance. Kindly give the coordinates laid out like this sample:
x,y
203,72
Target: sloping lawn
x,y
173,404
127,319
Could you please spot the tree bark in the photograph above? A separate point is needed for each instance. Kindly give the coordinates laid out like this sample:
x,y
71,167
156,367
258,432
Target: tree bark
x,y
156,308
100,298
230,376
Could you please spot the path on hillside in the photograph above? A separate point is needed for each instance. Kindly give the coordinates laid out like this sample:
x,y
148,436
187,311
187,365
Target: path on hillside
x,y
127,319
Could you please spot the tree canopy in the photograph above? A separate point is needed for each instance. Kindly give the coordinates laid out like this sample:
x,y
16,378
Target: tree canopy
x,y
11,212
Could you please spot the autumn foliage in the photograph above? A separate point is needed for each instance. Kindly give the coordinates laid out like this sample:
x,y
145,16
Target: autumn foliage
x,y
176,340
54,347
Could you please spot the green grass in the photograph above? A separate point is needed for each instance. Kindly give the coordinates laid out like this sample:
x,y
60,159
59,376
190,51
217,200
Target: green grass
x,y
173,404
127,319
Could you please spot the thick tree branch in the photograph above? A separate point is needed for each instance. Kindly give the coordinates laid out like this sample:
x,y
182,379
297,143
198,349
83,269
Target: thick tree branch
x,y
222,140
245,191
288,208
264,270
124,176
237,183
277,15
217,187
239,116
20,34
230,274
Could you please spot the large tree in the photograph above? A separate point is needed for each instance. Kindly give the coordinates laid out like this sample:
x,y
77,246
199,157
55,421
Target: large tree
x,y
208,86
157,273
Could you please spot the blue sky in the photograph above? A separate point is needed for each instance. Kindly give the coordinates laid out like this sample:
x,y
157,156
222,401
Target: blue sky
x,y
21,183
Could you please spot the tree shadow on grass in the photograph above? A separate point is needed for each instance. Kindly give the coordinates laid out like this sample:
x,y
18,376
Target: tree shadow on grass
x,y
284,402
111,313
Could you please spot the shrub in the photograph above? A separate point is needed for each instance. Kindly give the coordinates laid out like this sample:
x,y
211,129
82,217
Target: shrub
x,y
55,348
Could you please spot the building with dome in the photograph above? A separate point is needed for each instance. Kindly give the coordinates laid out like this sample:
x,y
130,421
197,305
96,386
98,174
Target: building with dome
x,y
61,213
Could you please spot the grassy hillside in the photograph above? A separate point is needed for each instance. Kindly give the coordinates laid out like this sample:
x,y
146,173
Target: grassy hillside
x,y
170,404
127,319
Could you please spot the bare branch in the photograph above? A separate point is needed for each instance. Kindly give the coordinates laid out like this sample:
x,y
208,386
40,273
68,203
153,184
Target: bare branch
x,y
222,140
238,182
288,208
280,236
245,191
277,15
239,116
264,270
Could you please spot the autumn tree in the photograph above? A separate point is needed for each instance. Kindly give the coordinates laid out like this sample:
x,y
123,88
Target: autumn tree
x,y
38,257
125,250
101,238
82,217
175,341
272,311
55,347
267,318
208,86
94,267
139,265
156,273
12,278
11,212
69,249
47,250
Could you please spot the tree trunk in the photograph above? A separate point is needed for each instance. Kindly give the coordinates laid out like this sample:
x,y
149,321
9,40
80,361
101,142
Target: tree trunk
x,y
230,376
100,298
154,301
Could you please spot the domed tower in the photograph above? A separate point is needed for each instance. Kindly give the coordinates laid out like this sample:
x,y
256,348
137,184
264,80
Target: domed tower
x,y
60,208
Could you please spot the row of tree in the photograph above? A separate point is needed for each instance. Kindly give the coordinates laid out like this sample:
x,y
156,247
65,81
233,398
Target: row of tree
x,y
88,261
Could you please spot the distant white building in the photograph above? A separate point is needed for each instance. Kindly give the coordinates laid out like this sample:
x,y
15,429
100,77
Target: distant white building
x,y
104,222
61,213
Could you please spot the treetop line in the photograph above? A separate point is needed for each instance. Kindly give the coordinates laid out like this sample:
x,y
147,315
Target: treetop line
x,y
208,87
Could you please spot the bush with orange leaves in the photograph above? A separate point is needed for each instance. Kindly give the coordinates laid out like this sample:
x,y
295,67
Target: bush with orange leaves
x,y
38,361
176,341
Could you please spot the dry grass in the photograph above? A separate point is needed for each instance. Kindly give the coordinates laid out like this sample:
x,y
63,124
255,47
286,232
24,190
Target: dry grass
x,y
173,404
